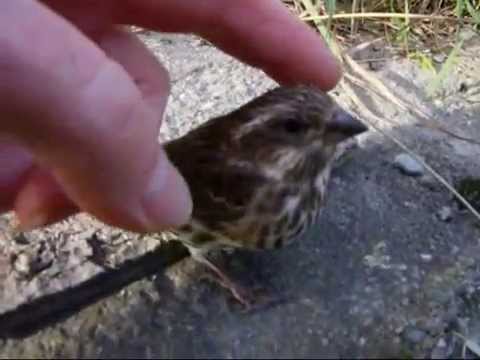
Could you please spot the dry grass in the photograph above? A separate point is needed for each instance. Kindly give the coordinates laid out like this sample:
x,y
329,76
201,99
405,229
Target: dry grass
x,y
418,29
413,22
411,27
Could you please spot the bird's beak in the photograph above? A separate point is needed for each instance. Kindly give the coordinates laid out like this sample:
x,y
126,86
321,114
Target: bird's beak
x,y
342,126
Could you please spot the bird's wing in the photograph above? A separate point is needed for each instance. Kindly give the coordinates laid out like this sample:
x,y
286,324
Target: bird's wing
x,y
222,187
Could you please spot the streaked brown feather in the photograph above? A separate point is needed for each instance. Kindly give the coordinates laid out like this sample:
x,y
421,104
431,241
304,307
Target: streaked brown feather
x,y
255,182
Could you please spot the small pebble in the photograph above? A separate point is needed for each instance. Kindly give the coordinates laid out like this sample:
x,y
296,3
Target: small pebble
x,y
414,335
463,87
375,65
434,326
22,264
445,214
441,343
426,257
408,165
362,341
439,58
21,239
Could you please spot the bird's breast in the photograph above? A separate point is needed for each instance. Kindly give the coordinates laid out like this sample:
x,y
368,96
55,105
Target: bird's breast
x,y
280,215
277,215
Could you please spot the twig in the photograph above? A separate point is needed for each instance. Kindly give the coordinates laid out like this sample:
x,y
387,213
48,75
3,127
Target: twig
x,y
383,15
29,318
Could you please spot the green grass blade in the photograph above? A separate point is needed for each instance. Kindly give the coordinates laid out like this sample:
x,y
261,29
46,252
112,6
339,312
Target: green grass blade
x,y
445,71
475,14
459,8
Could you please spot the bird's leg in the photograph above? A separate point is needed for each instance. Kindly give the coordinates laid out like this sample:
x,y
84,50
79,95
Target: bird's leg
x,y
238,292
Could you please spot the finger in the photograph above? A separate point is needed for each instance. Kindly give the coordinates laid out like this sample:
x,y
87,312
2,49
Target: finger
x,y
21,181
18,174
261,33
15,162
149,76
82,115
42,202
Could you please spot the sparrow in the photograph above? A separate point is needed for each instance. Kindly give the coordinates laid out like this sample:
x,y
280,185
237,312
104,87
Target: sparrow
x,y
258,175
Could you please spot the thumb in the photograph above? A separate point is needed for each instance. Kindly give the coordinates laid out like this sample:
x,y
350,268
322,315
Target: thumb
x,y
91,122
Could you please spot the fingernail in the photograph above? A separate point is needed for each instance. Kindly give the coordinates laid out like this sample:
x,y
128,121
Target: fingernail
x,y
30,210
335,75
167,201
34,220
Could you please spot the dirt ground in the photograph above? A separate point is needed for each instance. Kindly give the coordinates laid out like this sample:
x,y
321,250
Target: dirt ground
x,y
391,269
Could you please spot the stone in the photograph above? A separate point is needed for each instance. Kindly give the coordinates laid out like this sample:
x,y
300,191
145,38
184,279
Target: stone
x,y
439,58
22,264
408,165
426,257
414,335
445,214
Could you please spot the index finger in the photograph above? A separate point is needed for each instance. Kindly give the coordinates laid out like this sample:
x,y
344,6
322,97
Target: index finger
x,y
261,33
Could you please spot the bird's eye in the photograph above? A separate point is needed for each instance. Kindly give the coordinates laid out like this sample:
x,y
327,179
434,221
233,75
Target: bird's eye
x,y
293,126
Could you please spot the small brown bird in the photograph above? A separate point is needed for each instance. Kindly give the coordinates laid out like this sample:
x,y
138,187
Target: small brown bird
x,y
258,175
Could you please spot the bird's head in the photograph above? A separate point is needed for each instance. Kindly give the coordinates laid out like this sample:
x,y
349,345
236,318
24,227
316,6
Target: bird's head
x,y
291,131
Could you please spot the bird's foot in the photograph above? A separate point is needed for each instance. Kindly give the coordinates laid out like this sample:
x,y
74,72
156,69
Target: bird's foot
x,y
251,299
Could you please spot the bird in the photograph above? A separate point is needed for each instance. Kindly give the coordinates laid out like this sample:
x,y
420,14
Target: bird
x,y
258,175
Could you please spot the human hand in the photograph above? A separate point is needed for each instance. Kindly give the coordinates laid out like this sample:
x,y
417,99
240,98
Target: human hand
x,y
81,100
